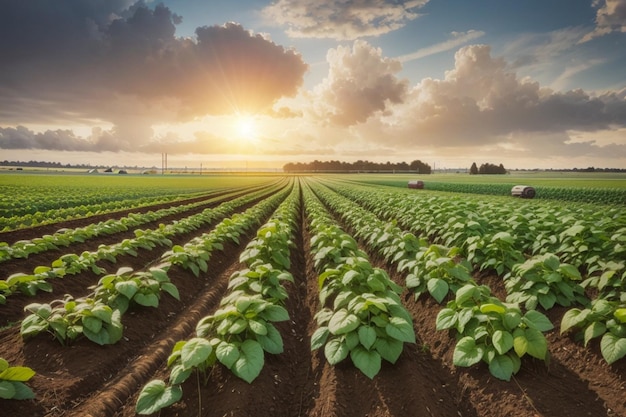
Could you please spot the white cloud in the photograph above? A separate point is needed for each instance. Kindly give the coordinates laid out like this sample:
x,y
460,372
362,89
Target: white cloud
x,y
610,17
341,19
360,83
482,104
458,39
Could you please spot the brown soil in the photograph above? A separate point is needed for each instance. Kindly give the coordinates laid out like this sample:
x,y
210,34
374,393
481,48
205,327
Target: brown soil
x,y
88,380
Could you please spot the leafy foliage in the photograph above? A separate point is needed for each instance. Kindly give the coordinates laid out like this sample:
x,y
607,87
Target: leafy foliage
x,y
494,332
361,316
239,333
12,380
603,318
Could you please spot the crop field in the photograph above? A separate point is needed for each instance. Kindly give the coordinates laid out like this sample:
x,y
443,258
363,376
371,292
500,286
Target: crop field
x,y
311,296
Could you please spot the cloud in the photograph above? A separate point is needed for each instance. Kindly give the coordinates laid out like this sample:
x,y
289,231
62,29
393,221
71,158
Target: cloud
x,y
21,137
340,19
480,103
360,83
555,57
119,61
458,39
610,17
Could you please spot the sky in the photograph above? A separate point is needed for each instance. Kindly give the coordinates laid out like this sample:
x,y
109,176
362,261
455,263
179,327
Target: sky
x,y
218,84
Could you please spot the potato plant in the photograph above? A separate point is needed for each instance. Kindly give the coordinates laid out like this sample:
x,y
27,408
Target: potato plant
x,y
544,280
361,315
605,319
489,330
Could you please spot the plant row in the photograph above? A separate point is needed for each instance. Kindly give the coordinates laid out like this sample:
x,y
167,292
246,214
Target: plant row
x,y
70,264
30,199
27,205
38,213
65,237
544,279
486,329
361,314
497,233
239,333
98,315
591,195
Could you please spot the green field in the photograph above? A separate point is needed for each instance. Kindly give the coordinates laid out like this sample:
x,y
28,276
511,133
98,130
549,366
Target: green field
x,y
532,178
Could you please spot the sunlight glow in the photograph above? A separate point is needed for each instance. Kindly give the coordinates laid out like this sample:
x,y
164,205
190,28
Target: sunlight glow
x,y
246,127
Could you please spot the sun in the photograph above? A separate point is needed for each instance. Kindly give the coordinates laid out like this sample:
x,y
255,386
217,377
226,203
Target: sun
x,y
245,127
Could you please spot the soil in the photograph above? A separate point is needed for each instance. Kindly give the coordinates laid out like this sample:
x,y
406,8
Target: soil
x,y
85,379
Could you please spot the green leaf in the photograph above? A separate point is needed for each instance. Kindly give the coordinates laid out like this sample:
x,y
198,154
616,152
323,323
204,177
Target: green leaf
x,y
446,319
275,313
342,322
91,323
511,320
335,351
103,312
148,300
438,288
128,288
400,329
536,344
194,352
595,329
571,318
155,395
238,326
257,327
22,392
250,362
367,336
17,373
520,343
179,374
570,271
7,390
368,362
389,349
538,321
620,315
272,342
502,341
502,367
319,337
171,289
227,353
466,352
552,261
612,347
465,293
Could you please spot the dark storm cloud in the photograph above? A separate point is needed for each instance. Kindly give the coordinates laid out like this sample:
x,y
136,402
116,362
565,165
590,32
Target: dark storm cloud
x,y
70,60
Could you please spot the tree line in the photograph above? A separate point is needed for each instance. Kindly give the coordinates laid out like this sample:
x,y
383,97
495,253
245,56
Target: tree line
x,y
358,166
487,168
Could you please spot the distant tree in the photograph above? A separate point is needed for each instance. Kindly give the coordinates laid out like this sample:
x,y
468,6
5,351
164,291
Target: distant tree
x,y
474,169
421,167
491,169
